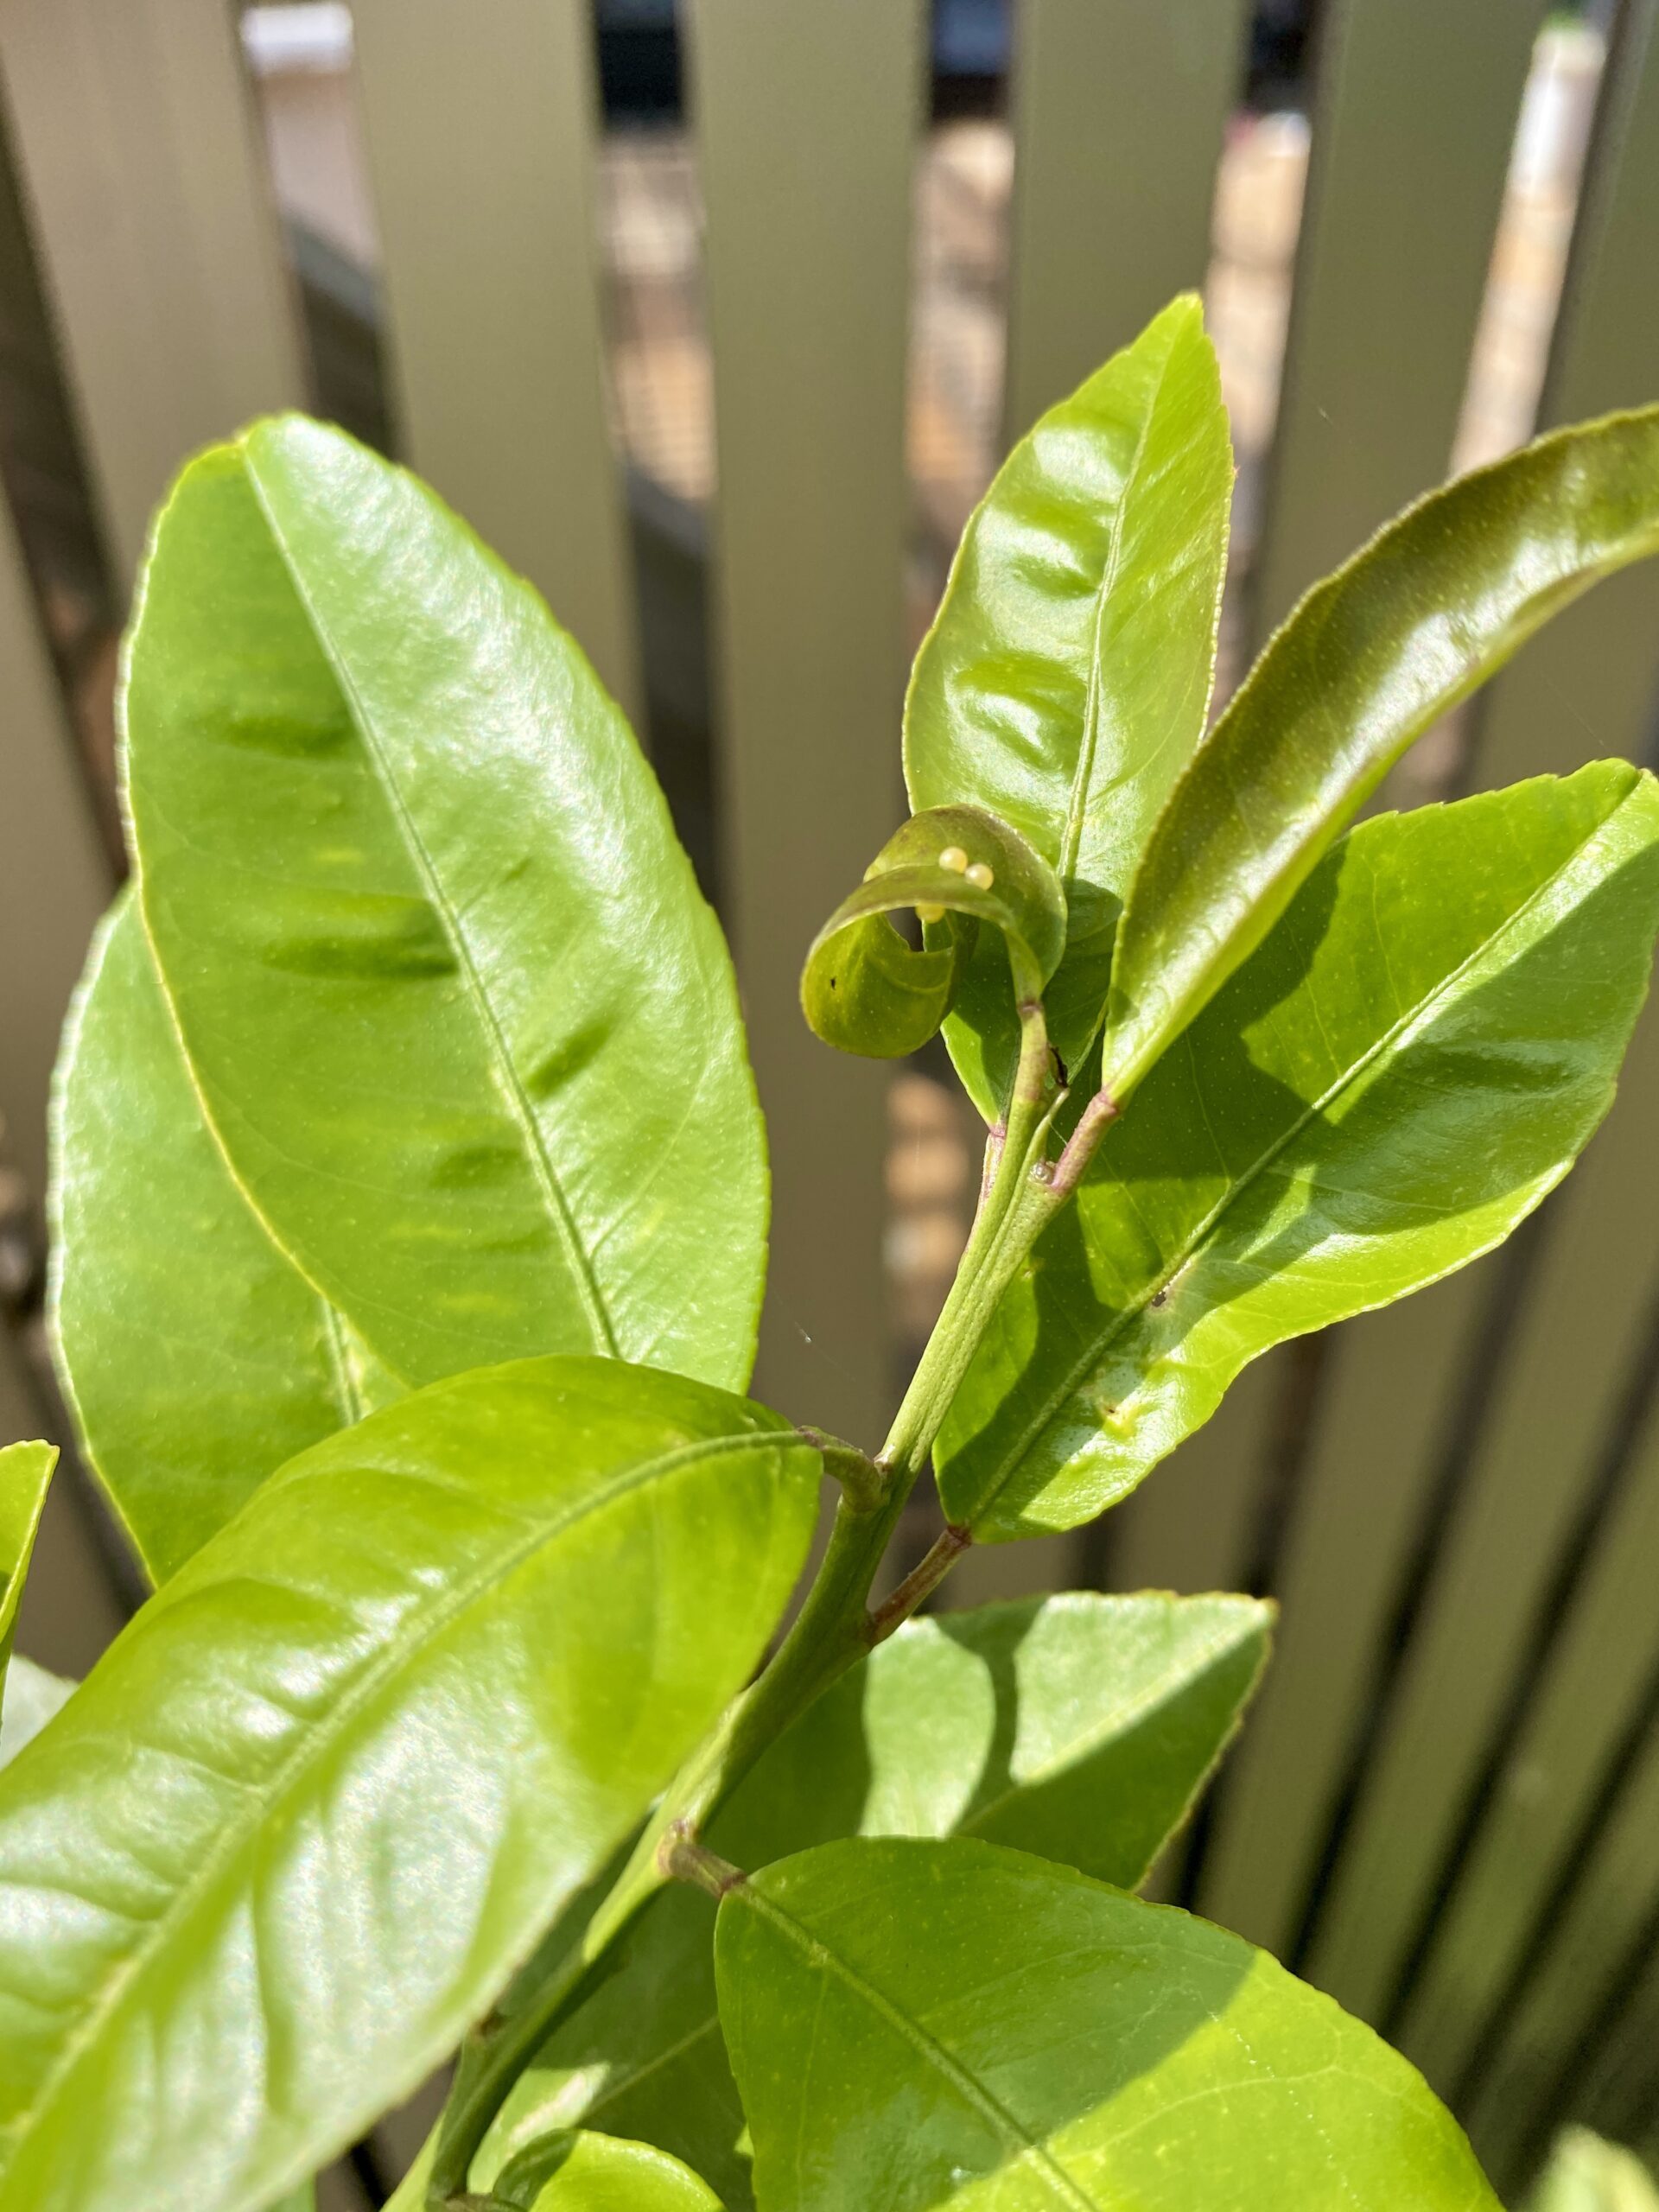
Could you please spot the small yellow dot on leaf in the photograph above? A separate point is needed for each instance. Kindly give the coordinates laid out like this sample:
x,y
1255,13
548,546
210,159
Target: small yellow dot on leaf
x,y
981,876
954,859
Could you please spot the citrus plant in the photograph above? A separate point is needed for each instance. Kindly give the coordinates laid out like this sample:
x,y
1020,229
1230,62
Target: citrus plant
x,y
410,1213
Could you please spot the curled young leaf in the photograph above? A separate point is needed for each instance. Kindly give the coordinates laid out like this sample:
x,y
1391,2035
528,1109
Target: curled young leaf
x,y
864,990
1372,657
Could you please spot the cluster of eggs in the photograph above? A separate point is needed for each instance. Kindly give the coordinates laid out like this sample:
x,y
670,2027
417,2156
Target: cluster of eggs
x,y
979,874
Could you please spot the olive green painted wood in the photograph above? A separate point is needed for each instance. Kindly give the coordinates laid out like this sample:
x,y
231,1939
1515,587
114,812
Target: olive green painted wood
x,y
806,119
1118,110
1413,117
1393,1380
55,874
1584,686
455,892
451,1654
1078,1727
157,237
480,152
1585,1956
921,2025
1587,686
189,1384
1608,1649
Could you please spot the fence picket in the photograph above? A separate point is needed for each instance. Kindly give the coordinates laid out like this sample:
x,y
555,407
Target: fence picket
x,y
158,242
1584,1320
55,877
807,119
1118,115
1414,120
490,277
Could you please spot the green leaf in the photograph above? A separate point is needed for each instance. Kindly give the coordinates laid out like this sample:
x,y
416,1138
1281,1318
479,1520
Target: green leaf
x,y
321,1796
1585,2174
458,1016
25,1472
1371,658
580,2172
920,2025
1066,681
1408,1064
1079,1726
864,990
193,1355
29,1697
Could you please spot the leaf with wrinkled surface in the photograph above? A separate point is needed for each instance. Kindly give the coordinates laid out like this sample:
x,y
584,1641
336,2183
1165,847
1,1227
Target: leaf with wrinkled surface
x,y
458,1016
1371,658
194,1357
1378,1097
584,2172
864,990
1079,1726
1064,682
321,1797
25,1473
920,2025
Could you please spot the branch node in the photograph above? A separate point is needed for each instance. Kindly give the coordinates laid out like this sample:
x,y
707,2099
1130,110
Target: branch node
x,y
682,1859
864,1481
921,1582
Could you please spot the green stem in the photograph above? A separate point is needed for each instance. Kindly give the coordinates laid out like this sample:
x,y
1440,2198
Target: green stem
x,y
833,1631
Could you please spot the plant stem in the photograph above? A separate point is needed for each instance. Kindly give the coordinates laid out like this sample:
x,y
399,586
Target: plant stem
x,y
832,1632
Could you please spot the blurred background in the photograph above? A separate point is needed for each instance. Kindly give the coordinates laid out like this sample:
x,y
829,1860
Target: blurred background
x,y
715,318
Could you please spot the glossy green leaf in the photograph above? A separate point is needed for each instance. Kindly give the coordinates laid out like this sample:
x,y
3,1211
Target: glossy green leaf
x,y
1408,1064
1586,2174
1370,659
584,2172
29,1697
1066,681
1079,1726
458,1017
193,1355
322,1796
864,990
25,1472
920,2025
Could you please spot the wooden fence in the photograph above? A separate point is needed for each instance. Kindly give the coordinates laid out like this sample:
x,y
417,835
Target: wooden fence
x,y
1446,1809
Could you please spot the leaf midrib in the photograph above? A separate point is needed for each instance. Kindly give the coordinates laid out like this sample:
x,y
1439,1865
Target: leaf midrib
x,y
966,2084
1078,807
313,1745
577,1258
1086,1361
